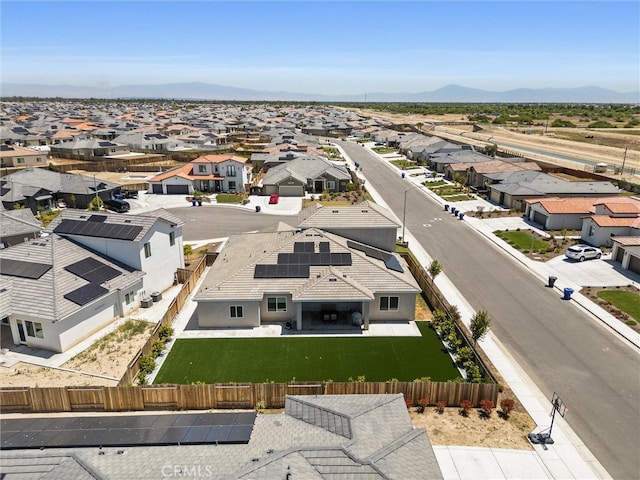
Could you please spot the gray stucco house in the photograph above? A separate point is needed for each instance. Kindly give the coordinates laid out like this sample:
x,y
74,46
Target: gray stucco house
x,y
312,174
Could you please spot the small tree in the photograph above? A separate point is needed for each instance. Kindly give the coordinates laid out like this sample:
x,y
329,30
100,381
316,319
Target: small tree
x,y
434,269
506,406
465,407
486,407
480,324
96,204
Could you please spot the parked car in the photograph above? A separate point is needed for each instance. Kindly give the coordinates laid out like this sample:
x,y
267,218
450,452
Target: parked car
x,y
129,194
583,252
273,199
115,205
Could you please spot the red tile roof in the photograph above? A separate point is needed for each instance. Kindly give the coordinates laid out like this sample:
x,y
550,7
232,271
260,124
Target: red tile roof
x,y
219,158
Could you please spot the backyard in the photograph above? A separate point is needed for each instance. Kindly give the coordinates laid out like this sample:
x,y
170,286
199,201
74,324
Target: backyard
x,y
340,359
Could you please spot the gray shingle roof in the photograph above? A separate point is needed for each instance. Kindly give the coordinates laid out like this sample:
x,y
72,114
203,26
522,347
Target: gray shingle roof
x,y
384,445
56,182
44,297
232,275
363,215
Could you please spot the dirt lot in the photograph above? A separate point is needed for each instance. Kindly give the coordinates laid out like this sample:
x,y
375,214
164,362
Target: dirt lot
x,y
607,145
451,428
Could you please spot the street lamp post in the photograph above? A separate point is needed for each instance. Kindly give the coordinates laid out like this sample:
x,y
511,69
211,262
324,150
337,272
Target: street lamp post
x,y
404,210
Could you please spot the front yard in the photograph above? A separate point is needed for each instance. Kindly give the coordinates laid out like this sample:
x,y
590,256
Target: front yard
x,y
340,359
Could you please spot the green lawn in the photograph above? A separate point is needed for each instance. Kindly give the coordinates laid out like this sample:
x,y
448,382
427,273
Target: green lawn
x,y
257,360
229,198
625,301
521,240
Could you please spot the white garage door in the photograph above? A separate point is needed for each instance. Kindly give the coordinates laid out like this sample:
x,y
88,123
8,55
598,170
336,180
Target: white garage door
x,y
290,191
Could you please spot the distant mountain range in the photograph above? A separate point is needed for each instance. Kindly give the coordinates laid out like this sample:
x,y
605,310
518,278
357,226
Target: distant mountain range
x,y
206,91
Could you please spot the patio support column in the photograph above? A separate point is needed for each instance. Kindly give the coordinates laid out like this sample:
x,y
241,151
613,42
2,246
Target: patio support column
x,y
365,315
298,316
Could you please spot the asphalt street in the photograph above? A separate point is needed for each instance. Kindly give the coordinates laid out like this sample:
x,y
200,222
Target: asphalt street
x,y
562,348
221,221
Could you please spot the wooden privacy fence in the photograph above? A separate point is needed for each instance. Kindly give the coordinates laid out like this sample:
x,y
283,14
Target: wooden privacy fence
x,y
189,279
221,396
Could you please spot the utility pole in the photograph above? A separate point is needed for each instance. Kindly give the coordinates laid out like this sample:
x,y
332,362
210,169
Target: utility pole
x,y
624,159
95,189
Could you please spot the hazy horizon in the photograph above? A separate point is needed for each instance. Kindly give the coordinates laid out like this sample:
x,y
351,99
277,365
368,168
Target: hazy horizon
x,y
324,47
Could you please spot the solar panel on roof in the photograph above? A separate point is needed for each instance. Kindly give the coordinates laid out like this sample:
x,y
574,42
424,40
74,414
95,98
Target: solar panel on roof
x,y
323,247
325,258
98,229
83,295
22,269
92,270
97,218
390,261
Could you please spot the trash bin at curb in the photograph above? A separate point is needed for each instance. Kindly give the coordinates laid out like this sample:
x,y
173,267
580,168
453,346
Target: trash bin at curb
x,y
453,210
460,215
257,208
403,174
567,293
446,207
552,281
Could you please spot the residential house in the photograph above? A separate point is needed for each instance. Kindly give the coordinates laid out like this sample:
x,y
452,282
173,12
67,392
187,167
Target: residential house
x,y
82,146
55,292
512,189
611,218
307,278
149,142
310,173
626,250
318,437
476,172
555,213
17,226
150,242
366,222
13,156
208,173
41,189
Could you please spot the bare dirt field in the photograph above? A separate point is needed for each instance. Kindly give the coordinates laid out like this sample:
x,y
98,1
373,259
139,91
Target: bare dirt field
x,y
606,146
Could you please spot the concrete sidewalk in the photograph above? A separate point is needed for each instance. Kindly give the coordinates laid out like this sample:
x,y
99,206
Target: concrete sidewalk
x,y
568,457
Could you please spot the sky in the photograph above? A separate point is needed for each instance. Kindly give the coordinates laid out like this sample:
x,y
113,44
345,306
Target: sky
x,y
324,47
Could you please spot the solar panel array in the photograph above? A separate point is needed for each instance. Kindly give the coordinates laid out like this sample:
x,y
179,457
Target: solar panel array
x,y
320,259
92,270
281,271
83,295
97,218
296,264
389,259
22,269
98,229
126,430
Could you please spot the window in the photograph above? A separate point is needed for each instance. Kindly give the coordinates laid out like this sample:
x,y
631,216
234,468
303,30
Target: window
x,y
231,170
172,239
129,298
113,150
34,329
147,250
331,185
232,185
276,304
39,159
235,311
202,168
215,168
20,160
592,231
388,303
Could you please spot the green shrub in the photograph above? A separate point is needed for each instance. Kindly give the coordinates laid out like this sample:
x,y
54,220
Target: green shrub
x,y
146,364
157,347
165,332
187,250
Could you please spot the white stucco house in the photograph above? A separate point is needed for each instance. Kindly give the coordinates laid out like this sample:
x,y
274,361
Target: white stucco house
x,y
91,269
208,173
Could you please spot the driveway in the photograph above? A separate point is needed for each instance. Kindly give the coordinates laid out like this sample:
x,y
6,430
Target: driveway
x,y
592,273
